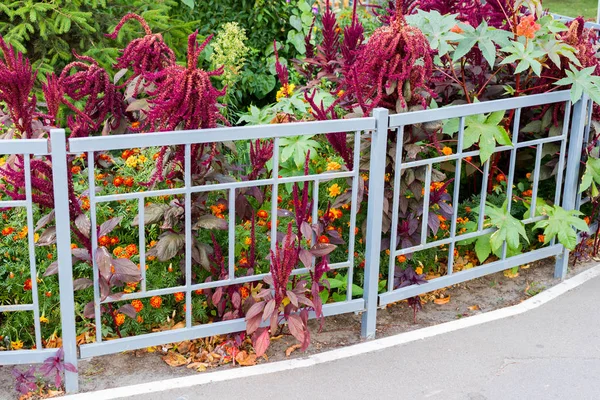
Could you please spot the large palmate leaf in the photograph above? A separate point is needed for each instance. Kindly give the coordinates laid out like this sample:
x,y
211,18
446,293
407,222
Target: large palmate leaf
x,y
486,38
509,228
562,224
437,28
526,56
581,81
591,175
483,129
298,147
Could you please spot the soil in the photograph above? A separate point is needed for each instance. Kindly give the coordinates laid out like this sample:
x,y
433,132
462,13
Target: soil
x,y
466,299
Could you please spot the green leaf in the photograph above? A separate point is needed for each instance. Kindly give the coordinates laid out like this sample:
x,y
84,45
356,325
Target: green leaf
x,y
483,248
485,37
581,81
591,174
486,131
562,224
509,228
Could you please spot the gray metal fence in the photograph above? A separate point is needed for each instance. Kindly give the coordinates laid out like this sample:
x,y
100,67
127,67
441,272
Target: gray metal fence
x,y
379,130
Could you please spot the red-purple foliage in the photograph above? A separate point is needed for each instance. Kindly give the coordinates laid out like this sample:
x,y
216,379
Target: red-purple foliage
x,y
282,72
17,80
283,261
260,154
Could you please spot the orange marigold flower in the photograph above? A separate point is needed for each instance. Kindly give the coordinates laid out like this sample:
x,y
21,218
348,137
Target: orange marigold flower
x,y
248,241
104,240
468,159
114,240
528,175
76,169
199,291
419,270
73,246
587,220
120,319
7,231
528,27
528,193
131,249
262,214
126,154
49,256
401,258
156,302
179,296
138,305
28,285
500,178
135,124
244,292
323,239
541,238
441,218
118,181
128,182
139,319
48,293
468,209
117,251
447,150
456,29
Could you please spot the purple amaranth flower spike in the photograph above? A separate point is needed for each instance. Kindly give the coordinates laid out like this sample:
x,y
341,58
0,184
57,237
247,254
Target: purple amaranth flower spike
x,y
260,154
329,49
353,39
302,206
282,72
283,262
147,54
16,83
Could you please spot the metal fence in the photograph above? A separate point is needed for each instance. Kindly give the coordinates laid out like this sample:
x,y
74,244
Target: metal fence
x,y
379,130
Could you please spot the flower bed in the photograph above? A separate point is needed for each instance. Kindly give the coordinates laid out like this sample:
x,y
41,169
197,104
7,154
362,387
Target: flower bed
x,y
428,56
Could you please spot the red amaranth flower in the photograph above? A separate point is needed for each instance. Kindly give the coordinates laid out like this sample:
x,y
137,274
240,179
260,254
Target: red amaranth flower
x,y
16,83
147,54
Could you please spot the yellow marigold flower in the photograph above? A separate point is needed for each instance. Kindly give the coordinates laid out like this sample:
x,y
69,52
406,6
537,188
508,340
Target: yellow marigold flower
x,y
18,345
447,151
117,251
2,161
248,241
44,320
142,158
132,161
334,190
419,270
36,237
340,93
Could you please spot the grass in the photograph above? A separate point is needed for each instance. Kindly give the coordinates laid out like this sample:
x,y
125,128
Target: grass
x,y
573,8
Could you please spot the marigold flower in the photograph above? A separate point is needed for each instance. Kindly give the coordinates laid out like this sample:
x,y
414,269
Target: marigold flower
x,y
244,292
262,214
447,151
179,296
541,238
468,209
500,178
49,256
441,218
17,345
7,231
117,251
587,220
528,27
118,181
76,169
468,159
131,249
323,239
104,240
340,93
419,270
128,182
333,166
156,302
528,175
120,319
248,241
114,240
528,193
334,190
138,305
73,246
28,285
44,320
199,291
456,29
401,258
139,319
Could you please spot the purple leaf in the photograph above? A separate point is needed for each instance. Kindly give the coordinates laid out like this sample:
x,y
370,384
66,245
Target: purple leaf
x,y
104,262
128,310
269,309
82,222
255,310
306,257
297,327
261,341
109,226
322,249
81,254
82,283
51,270
88,310
47,238
236,300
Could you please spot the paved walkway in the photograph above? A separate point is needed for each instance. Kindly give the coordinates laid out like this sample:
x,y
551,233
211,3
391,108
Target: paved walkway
x,y
552,352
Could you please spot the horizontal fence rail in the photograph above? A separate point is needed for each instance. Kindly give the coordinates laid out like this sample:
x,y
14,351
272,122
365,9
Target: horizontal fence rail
x,y
373,136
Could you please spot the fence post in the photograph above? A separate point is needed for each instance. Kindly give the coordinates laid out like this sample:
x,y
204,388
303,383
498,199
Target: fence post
x,y
374,221
571,185
63,245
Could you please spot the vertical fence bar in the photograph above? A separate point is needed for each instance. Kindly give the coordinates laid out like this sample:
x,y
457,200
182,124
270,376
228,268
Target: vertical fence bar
x,y
63,246
189,242
511,169
274,194
353,212
374,222
94,237
572,174
395,209
142,242
456,194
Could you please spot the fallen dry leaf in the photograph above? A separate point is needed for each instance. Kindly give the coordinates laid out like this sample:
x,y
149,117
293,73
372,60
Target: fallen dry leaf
x,y
474,308
175,359
198,366
510,274
442,300
291,349
244,359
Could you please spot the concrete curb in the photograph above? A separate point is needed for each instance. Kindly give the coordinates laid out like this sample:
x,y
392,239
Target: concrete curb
x,y
345,352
